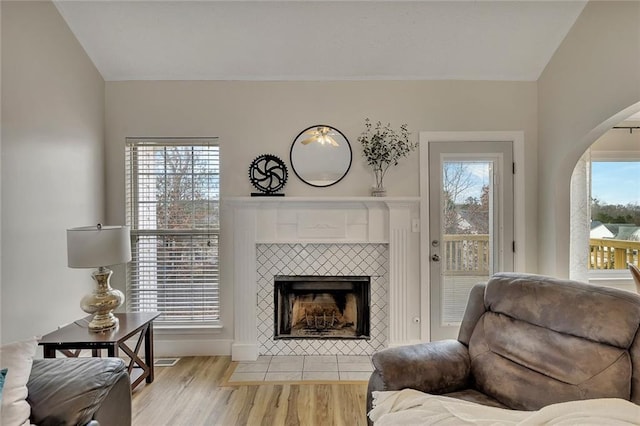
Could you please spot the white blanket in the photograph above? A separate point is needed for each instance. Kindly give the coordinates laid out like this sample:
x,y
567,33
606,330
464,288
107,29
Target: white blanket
x,y
411,407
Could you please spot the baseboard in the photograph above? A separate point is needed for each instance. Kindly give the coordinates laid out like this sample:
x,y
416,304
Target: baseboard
x,y
184,347
244,352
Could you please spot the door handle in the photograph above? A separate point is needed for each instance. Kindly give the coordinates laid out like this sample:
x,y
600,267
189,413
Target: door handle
x,y
435,258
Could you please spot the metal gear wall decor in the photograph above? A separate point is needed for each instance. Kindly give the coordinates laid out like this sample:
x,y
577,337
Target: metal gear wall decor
x,y
268,174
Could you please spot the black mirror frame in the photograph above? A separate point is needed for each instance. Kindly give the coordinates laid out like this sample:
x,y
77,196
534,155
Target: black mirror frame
x,y
293,167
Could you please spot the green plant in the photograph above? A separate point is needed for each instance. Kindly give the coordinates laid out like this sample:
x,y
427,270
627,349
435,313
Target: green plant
x,y
384,147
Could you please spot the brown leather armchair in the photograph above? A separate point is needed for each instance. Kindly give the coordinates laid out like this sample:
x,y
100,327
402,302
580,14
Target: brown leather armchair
x,y
79,391
527,341
635,273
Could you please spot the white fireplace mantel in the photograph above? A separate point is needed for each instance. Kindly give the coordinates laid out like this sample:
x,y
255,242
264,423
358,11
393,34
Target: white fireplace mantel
x,y
320,220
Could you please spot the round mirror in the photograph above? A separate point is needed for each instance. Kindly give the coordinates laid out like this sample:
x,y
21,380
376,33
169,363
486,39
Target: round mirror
x,y
320,155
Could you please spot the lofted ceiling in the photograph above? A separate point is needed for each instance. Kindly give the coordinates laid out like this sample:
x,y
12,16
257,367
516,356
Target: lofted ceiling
x,y
320,40
635,117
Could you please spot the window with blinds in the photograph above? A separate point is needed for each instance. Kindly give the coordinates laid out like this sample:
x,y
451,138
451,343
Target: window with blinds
x,y
173,194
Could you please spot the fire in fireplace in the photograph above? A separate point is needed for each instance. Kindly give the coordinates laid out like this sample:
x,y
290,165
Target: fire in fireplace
x,y
316,307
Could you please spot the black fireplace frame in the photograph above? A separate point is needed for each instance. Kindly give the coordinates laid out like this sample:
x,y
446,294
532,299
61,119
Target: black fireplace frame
x,y
303,284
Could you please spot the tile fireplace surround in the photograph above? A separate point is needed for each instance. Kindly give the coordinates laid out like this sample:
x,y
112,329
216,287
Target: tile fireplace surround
x,y
322,236
322,260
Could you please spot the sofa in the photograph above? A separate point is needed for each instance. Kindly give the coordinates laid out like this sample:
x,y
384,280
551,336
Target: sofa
x,y
525,342
79,391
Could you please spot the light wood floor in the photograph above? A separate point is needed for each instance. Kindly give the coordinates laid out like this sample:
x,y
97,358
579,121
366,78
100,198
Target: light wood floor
x,y
189,394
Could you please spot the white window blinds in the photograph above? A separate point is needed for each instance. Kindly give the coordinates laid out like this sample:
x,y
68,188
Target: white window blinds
x,y
173,193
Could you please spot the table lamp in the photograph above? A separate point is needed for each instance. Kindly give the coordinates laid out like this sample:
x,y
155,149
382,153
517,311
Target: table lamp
x,y
98,247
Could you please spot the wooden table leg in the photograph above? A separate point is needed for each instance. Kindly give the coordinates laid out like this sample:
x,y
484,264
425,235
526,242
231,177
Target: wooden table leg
x,y
70,353
112,350
135,360
148,351
49,351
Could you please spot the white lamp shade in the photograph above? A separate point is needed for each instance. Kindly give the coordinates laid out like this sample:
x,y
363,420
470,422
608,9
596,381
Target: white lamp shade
x,y
95,246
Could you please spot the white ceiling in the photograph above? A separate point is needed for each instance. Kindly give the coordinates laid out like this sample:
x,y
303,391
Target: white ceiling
x,y
634,117
320,40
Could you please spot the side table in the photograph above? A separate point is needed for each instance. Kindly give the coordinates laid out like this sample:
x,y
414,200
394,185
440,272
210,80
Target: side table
x,y
74,337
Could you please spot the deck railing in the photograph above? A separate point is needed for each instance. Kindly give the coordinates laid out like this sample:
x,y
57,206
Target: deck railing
x,y
466,254
606,253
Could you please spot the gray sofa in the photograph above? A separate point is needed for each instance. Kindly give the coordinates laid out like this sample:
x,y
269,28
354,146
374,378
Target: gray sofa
x,y
79,391
527,341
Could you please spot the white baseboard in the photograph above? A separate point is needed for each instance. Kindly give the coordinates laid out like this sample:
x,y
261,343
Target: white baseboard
x,y
200,347
244,352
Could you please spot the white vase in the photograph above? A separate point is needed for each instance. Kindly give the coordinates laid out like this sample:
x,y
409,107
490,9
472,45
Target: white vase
x,y
378,191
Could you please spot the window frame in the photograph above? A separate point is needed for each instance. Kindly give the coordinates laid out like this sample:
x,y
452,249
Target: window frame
x,y
210,231
608,275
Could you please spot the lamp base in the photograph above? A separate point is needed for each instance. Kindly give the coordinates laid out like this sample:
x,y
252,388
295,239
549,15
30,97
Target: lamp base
x,y
103,322
102,301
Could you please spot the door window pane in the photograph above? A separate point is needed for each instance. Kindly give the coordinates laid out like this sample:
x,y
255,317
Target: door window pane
x,y
467,221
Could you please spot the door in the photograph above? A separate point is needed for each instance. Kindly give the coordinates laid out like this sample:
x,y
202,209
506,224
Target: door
x,y
470,224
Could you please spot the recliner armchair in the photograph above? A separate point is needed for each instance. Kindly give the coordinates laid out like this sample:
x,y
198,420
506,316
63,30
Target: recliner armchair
x,y
79,391
527,341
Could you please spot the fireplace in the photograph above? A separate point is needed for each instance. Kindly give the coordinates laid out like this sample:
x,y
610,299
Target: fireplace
x,y
322,307
273,237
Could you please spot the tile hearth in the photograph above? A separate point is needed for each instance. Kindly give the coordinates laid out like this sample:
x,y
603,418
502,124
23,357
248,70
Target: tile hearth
x,y
304,368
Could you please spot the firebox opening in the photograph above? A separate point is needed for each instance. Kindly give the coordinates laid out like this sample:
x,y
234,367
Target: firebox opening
x,y
313,307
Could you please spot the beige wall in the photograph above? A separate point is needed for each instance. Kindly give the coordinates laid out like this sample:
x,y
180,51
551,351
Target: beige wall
x,y
52,166
591,84
253,118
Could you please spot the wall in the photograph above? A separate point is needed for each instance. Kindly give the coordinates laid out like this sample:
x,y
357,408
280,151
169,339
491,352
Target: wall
x,y
591,84
253,118
0,185
52,166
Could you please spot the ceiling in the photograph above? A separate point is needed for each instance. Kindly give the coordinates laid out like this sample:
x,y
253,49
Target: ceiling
x,y
635,117
320,40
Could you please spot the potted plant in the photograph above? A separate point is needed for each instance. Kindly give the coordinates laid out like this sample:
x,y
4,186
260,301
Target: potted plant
x,y
383,147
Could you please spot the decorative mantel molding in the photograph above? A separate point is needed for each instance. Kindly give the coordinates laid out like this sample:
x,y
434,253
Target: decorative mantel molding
x,y
330,220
